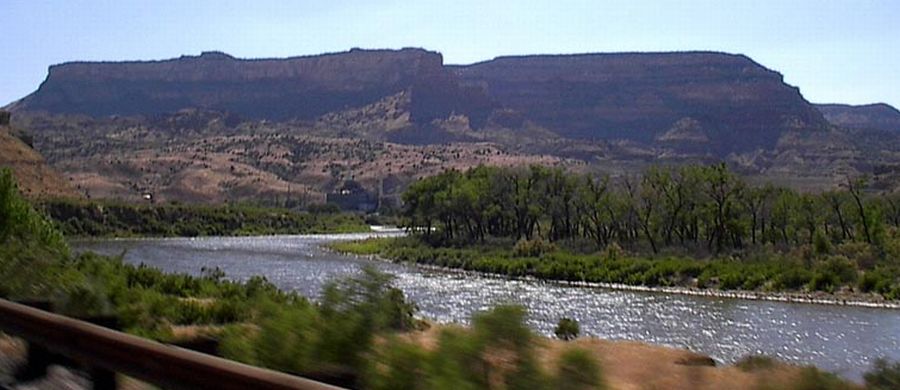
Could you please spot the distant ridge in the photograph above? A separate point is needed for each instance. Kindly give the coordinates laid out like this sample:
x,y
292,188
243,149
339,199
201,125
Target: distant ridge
x,y
878,116
731,102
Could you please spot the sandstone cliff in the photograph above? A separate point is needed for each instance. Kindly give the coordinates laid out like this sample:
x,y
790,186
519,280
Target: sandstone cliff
x,y
693,101
274,89
723,101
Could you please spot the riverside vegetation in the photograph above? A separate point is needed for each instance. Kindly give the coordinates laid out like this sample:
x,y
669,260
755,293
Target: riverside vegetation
x,y
109,219
358,333
691,226
349,336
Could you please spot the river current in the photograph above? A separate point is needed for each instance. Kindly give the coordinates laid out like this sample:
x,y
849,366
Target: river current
x,y
840,339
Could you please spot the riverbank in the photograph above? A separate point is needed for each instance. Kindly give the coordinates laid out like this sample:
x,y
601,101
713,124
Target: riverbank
x,y
639,365
620,364
485,263
107,220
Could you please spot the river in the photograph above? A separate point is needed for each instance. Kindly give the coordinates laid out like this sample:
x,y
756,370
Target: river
x,y
840,339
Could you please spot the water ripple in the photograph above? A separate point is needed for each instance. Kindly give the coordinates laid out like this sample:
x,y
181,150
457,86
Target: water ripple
x,y
838,338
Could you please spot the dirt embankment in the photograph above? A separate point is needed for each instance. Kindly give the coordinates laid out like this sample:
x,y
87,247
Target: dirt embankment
x,y
35,178
632,365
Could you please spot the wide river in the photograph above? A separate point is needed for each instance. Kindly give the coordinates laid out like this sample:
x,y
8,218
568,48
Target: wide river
x,y
841,339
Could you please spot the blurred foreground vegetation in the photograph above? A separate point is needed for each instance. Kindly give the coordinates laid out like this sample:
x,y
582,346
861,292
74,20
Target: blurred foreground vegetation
x,y
109,219
351,335
356,334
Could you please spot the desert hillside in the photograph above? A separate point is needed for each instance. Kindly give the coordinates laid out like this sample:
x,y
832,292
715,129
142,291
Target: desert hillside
x,y
36,179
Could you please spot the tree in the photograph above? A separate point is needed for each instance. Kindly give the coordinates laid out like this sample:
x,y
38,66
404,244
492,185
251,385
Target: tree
x,y
855,189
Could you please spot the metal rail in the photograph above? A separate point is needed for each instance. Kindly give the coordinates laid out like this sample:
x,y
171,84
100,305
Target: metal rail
x,y
149,361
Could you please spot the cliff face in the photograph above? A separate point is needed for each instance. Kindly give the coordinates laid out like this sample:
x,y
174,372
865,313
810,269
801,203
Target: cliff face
x,y
704,102
729,102
276,89
866,117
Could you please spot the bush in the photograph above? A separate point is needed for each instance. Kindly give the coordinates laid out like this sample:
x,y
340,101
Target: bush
x,y
567,329
883,376
812,378
752,363
578,370
504,327
399,365
533,248
502,332
457,362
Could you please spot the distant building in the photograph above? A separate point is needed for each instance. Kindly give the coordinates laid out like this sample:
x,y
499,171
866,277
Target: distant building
x,y
352,196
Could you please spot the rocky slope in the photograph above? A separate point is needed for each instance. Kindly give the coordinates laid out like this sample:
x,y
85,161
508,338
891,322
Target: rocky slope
x,y
878,116
35,178
714,101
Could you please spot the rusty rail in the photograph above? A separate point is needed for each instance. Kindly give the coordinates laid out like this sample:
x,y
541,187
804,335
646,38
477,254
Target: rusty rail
x,y
149,361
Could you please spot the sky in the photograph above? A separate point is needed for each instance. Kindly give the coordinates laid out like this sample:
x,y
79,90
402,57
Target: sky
x,y
834,51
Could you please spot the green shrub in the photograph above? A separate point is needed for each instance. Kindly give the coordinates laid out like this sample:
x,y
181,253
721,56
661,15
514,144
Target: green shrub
x,y
567,329
398,365
457,362
752,363
533,248
883,376
577,370
812,378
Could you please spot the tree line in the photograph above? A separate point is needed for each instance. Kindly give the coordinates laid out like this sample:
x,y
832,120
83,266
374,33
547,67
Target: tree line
x,y
700,209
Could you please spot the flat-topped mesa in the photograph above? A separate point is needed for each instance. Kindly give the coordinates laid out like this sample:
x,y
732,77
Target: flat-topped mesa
x,y
708,102
730,101
296,87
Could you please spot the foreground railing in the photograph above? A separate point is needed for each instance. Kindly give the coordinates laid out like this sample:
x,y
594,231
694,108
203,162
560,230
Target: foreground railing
x,y
104,349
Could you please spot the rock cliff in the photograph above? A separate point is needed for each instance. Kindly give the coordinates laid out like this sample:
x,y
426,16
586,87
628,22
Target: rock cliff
x,y
695,102
727,102
274,89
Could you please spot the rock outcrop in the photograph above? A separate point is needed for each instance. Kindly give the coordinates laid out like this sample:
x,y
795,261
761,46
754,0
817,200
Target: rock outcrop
x,y
878,116
274,89
696,102
730,102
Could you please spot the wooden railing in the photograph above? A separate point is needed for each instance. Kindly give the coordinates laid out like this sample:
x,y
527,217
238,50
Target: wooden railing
x,y
168,366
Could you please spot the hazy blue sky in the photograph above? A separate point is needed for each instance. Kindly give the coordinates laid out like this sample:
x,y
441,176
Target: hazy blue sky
x,y
835,51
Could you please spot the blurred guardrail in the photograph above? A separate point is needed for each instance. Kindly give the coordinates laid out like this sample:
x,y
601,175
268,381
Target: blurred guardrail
x,y
106,350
